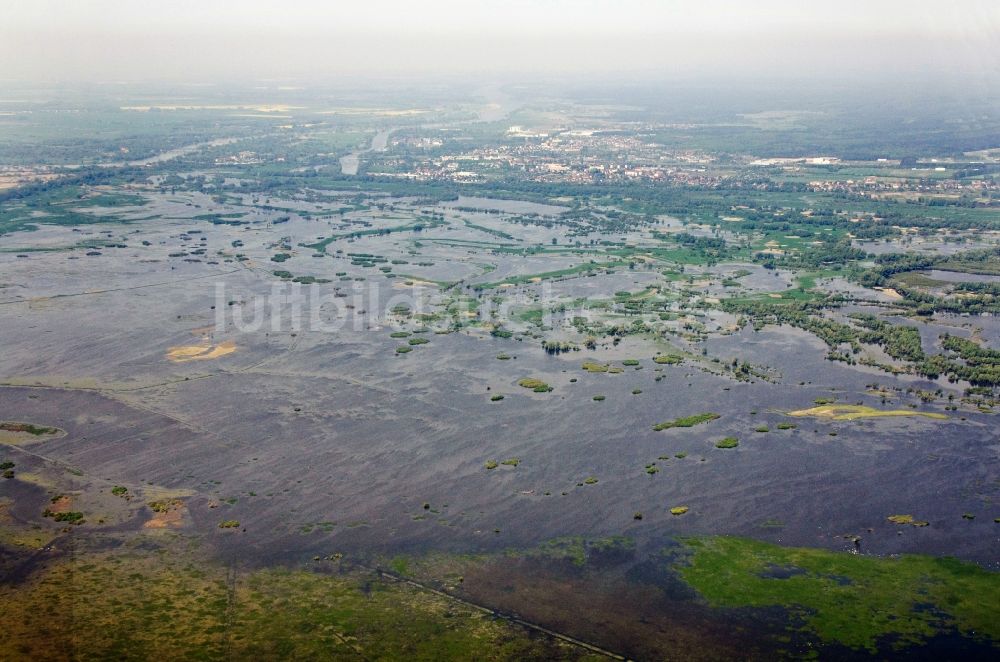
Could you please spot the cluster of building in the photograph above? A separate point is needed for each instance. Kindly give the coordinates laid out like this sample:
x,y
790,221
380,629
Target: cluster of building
x,y
894,187
591,156
578,157
240,158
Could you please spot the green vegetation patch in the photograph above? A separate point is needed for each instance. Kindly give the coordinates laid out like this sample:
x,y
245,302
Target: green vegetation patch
x,y
536,385
727,442
68,517
163,505
668,359
28,428
687,421
846,598
906,519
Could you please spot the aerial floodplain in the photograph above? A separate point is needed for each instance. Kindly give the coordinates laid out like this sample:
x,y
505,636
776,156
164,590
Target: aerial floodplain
x,y
521,368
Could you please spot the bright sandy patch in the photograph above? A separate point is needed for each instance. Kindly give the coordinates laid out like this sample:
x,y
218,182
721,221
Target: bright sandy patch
x,y
384,112
854,412
260,108
889,292
61,504
169,516
206,351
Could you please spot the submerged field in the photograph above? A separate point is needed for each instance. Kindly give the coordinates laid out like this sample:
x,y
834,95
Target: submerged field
x,y
161,594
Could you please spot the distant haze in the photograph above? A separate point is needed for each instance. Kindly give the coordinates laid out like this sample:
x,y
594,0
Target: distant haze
x,y
207,40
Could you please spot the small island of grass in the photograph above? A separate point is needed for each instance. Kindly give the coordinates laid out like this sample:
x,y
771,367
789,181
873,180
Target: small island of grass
x,y
727,442
686,421
536,385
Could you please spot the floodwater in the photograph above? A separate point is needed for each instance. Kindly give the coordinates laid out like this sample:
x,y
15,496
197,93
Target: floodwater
x,y
958,277
509,206
322,438
171,154
349,164
341,428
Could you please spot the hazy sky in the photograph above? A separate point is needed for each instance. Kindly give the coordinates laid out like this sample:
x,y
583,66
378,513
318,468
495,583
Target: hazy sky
x,y
249,39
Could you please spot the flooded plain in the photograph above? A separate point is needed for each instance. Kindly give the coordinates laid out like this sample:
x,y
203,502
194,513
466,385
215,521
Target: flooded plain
x,y
386,418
